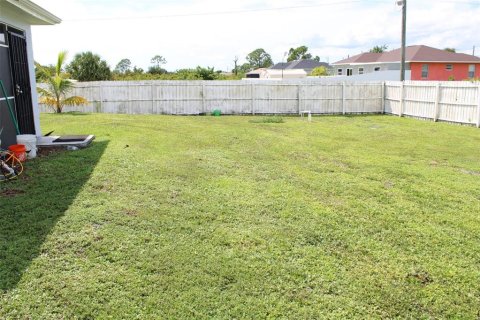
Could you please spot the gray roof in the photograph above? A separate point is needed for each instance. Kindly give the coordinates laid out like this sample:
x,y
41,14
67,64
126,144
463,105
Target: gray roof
x,y
300,64
280,65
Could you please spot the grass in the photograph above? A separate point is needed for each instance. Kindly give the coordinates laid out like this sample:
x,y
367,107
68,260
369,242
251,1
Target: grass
x,y
269,119
217,217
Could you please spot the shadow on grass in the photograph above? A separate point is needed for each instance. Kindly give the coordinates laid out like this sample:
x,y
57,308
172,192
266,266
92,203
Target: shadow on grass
x,y
70,113
31,206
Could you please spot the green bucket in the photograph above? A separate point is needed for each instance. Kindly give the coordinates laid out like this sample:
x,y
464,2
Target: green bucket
x,y
216,112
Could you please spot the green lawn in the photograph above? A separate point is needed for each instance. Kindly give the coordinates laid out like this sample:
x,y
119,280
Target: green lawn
x,y
221,217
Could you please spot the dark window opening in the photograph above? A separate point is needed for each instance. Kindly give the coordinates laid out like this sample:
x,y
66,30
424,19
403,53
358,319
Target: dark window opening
x,y
471,71
425,71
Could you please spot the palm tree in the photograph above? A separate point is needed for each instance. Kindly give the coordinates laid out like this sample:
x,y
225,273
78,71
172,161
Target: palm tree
x,y
58,86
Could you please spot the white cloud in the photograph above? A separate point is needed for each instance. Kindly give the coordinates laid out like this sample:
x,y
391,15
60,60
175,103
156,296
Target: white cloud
x,y
332,29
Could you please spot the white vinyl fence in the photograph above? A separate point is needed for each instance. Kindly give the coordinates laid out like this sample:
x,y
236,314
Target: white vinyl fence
x,y
445,101
231,97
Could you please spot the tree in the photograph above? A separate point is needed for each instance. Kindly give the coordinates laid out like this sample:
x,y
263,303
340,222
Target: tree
x,y
379,49
300,53
40,74
235,62
187,74
206,73
319,71
157,62
259,59
87,66
137,70
244,68
124,66
58,87
453,50
199,73
156,70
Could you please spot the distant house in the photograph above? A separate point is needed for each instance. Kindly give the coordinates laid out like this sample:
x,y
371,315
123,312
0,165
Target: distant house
x,y
306,64
422,63
17,71
256,74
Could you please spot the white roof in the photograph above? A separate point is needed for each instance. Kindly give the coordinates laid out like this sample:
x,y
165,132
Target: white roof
x,y
31,12
257,71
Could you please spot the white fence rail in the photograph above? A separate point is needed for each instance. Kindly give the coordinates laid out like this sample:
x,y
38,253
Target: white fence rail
x,y
445,101
231,97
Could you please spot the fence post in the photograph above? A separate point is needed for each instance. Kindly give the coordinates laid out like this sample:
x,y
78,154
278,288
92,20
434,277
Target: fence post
x,y
153,97
204,107
252,102
343,98
101,96
129,97
402,92
478,109
299,98
437,102
384,92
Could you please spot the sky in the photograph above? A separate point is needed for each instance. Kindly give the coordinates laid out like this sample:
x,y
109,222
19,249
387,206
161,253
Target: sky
x,y
189,33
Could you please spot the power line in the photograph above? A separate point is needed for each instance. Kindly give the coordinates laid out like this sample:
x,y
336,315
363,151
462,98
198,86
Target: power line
x,y
214,13
232,12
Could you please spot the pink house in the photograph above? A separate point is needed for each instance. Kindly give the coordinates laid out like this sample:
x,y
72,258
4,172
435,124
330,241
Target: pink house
x,y
422,63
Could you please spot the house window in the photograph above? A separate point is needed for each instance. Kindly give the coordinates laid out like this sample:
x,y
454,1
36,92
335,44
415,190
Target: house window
x,y
339,72
3,37
424,70
449,67
349,72
471,71
360,70
376,69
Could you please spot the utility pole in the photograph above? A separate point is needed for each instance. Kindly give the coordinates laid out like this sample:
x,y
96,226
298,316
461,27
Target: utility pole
x,y
283,66
403,3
